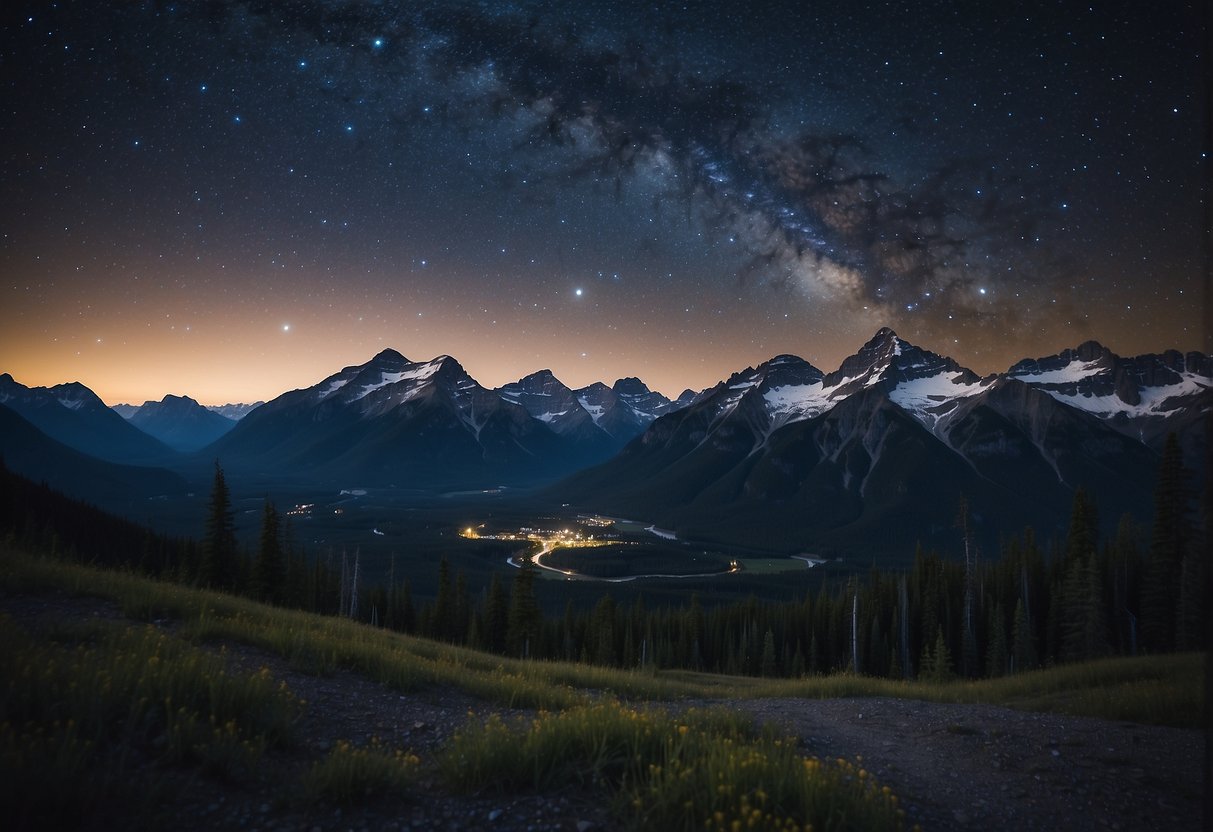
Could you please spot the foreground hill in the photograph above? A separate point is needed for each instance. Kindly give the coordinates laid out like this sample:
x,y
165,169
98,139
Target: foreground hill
x,y
324,716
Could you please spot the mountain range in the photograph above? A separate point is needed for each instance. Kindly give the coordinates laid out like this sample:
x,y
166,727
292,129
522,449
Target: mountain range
x,y
429,424
778,456
881,451
75,416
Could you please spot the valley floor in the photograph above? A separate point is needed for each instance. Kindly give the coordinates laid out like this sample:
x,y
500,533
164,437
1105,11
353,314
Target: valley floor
x,y
955,766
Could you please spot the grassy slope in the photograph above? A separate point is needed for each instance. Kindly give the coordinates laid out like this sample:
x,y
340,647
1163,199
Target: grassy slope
x,y
662,770
1165,690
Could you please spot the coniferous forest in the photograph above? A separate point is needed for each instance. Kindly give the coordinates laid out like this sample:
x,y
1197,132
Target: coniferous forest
x,y
1036,603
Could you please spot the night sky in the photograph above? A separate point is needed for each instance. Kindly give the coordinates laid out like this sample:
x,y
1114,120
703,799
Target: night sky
x,y
232,199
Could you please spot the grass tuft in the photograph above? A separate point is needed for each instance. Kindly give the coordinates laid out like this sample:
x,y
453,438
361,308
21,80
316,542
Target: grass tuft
x,y
699,770
350,774
84,708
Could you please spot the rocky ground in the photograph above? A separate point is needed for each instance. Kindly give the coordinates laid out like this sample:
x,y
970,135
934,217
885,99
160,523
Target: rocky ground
x,y
955,767
988,767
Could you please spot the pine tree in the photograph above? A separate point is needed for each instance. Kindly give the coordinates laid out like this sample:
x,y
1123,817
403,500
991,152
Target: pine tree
x,y
1073,611
1083,537
1189,613
463,610
1161,587
1095,619
407,612
442,623
355,581
997,655
496,616
797,669
603,630
968,641
524,616
1023,649
269,569
937,661
768,655
219,567
1124,574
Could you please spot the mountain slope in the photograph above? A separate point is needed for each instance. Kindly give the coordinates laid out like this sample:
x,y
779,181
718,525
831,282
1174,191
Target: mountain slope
x,y
179,422
869,458
396,422
550,401
1146,396
73,415
31,453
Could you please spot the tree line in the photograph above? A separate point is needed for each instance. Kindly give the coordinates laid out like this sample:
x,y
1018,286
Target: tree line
x,y
1033,605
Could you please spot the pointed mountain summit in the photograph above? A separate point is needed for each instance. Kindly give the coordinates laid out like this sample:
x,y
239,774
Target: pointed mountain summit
x,y
180,422
552,402
922,383
644,402
624,409
546,398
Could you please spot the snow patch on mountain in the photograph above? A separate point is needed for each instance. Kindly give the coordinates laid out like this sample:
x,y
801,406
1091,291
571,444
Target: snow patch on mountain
x,y
1072,372
333,386
1154,400
417,372
929,399
595,410
799,401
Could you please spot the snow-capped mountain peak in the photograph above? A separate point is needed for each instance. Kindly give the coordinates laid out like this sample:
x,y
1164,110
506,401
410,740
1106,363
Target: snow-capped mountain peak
x,y
925,385
1145,396
647,404
233,410
547,399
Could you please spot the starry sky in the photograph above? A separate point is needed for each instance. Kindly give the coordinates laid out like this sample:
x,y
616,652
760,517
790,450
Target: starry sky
x,y
233,199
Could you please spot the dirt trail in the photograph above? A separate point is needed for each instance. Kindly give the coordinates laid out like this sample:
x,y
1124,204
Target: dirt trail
x,y
987,767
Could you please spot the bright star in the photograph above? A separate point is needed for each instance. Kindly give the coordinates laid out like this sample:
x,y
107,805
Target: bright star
x,y
286,327
577,292
377,43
